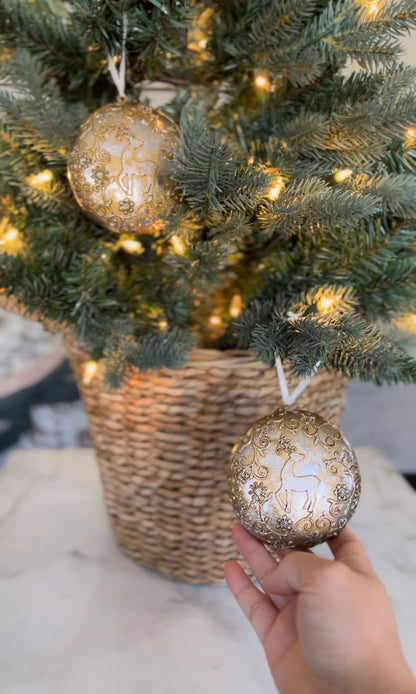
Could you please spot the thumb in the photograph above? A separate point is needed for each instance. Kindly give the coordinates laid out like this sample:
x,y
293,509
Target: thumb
x,y
296,571
299,570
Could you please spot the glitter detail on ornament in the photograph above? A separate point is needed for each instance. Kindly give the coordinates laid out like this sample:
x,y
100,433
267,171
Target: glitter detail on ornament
x,y
294,479
120,167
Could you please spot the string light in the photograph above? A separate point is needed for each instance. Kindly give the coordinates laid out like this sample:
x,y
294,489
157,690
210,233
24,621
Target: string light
x,y
411,132
262,81
326,303
215,320
275,190
163,324
11,235
90,369
178,245
41,179
406,322
276,186
373,8
342,175
11,241
235,306
132,246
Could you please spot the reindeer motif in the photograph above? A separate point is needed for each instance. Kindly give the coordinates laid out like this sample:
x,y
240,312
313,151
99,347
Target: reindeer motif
x,y
297,478
132,165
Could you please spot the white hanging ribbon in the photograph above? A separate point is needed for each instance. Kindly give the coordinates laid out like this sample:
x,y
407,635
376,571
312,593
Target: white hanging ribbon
x,y
119,75
290,398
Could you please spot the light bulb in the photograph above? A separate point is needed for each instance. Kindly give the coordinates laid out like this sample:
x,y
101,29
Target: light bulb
x,y
11,241
178,245
407,322
262,81
132,246
41,178
215,320
342,174
326,303
235,306
411,132
11,235
275,190
90,369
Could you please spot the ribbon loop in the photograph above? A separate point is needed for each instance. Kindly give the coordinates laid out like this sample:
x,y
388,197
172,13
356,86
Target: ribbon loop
x,y
290,398
119,75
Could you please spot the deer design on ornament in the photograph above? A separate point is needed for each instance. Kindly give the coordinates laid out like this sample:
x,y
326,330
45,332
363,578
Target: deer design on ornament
x,y
296,478
132,165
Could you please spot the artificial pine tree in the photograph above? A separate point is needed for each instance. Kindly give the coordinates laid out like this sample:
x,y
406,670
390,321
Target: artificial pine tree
x,y
269,206
293,232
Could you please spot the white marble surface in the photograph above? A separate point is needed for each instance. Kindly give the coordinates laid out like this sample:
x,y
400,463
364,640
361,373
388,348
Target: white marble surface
x,y
79,616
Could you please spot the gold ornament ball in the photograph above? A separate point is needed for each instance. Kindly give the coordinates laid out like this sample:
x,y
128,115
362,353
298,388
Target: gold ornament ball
x,y
294,479
120,167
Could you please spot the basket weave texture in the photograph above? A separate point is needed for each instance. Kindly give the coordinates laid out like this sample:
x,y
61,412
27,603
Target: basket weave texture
x,y
163,444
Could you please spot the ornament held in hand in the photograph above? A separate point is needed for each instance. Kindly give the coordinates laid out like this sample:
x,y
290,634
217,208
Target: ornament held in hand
x,y
294,479
120,167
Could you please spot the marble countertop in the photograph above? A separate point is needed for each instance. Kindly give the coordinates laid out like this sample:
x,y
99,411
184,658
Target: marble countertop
x,y
77,615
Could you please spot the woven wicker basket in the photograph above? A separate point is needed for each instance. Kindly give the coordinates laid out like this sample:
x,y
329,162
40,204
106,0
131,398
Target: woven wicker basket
x,y
163,444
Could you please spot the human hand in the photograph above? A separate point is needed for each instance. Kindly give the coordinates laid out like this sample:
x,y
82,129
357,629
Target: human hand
x,y
327,626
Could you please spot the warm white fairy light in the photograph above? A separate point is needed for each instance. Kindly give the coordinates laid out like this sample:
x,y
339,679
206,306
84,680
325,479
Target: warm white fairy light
x,y
132,246
90,369
163,324
262,81
178,245
342,175
236,305
373,8
11,241
40,179
275,190
406,322
215,320
411,132
11,234
276,185
327,302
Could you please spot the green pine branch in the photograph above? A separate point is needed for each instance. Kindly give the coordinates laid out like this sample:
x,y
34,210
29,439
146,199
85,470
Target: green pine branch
x,y
339,339
212,176
227,245
312,203
124,351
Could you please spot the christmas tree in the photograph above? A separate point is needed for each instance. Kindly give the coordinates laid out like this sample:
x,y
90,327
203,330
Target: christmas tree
x,y
291,224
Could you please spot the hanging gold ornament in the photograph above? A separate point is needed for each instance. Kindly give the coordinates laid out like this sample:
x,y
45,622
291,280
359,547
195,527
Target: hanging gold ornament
x,y
294,479
121,164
